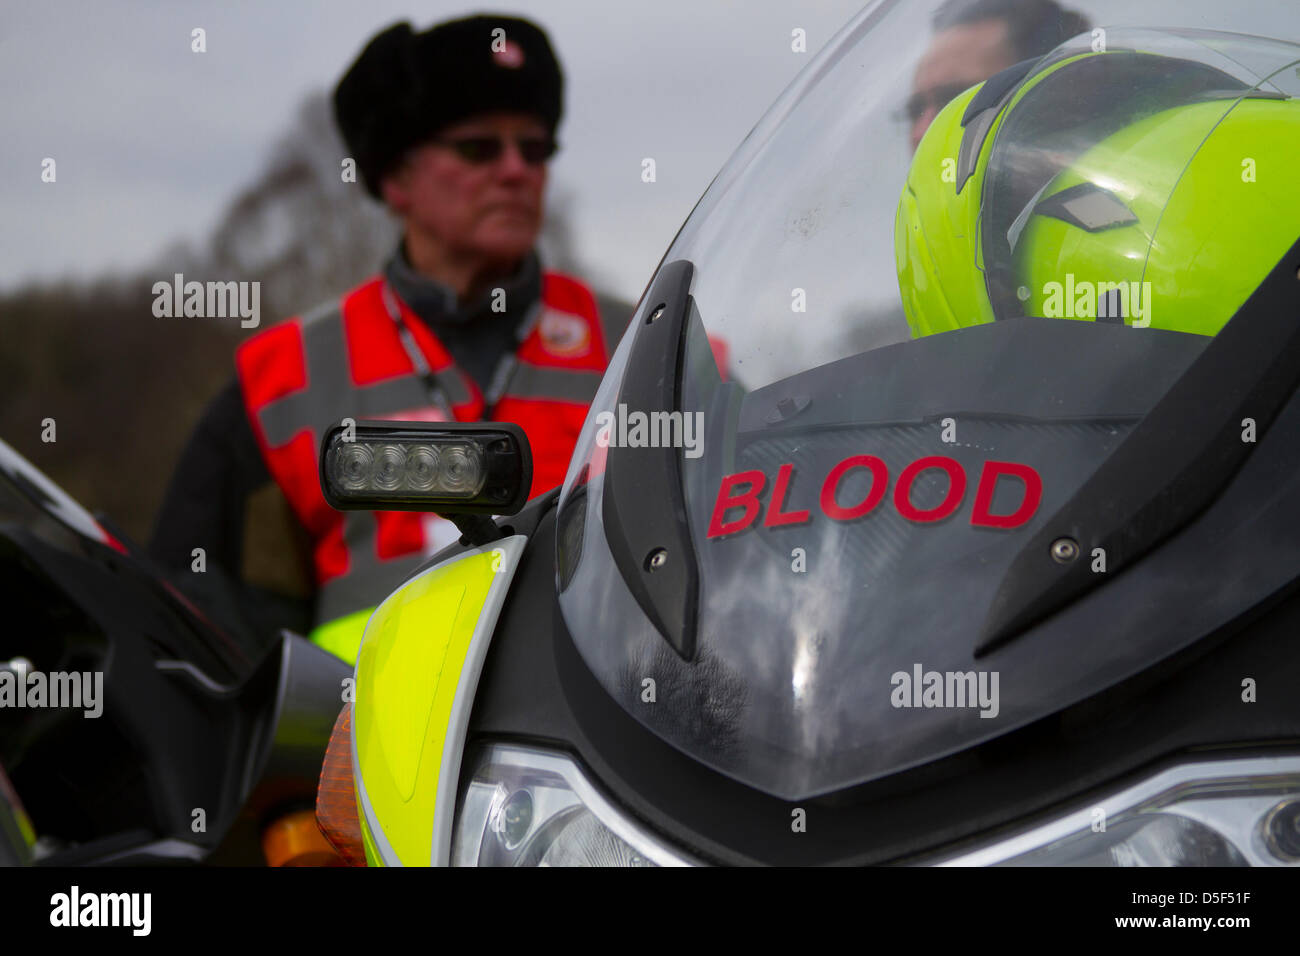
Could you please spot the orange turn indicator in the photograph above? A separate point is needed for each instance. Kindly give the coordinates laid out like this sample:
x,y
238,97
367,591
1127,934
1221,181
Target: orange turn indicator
x,y
336,798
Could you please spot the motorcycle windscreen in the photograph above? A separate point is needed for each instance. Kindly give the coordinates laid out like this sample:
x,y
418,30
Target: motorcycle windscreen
x,y
901,363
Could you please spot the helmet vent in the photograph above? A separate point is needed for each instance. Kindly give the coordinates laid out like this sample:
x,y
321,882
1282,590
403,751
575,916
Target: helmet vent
x,y
1089,207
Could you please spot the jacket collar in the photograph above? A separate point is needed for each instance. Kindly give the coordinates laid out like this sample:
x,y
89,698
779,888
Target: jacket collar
x,y
436,304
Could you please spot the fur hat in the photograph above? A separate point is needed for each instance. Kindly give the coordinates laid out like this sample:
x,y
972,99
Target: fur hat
x,y
405,87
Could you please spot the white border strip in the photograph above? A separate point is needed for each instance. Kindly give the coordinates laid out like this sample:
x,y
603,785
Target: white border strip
x,y
453,746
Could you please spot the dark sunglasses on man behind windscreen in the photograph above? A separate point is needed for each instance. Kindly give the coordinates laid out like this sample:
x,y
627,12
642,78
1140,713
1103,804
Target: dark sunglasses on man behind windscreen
x,y
479,150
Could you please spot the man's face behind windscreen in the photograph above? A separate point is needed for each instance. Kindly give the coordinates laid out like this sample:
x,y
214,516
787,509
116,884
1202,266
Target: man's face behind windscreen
x,y
958,58
975,39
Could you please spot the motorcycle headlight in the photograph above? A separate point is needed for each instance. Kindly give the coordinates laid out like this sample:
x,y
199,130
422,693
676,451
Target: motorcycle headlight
x,y
1242,812
527,807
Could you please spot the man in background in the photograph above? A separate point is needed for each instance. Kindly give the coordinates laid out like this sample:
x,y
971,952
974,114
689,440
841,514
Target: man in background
x,y
974,39
451,129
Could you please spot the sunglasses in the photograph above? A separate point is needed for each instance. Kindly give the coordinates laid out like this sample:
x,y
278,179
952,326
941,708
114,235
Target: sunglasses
x,y
480,150
936,98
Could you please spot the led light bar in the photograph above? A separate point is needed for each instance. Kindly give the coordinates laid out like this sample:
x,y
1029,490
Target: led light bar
x,y
448,467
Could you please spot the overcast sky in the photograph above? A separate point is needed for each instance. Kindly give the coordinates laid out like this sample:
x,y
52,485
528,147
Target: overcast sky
x,y
152,140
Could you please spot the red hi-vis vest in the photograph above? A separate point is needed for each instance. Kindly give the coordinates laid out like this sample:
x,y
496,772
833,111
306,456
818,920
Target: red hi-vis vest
x,y
348,360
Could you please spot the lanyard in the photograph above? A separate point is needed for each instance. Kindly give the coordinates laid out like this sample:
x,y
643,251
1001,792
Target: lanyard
x,y
507,364
437,395
501,375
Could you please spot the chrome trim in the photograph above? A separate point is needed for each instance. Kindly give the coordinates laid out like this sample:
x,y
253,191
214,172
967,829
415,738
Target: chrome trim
x,y
196,675
1222,778
160,849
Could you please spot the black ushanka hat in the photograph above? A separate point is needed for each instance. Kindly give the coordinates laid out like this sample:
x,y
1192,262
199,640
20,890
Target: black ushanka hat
x,y
405,87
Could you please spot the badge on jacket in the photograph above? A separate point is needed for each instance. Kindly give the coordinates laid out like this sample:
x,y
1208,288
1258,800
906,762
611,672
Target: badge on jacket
x,y
563,334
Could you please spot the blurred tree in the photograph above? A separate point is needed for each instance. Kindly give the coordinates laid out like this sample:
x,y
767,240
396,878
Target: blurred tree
x,y
122,386
300,229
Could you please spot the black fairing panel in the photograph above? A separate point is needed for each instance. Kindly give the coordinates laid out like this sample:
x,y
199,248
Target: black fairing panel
x,y
188,714
536,688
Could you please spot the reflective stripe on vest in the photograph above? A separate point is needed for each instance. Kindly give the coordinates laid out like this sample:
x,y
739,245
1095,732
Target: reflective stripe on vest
x,y
554,384
347,360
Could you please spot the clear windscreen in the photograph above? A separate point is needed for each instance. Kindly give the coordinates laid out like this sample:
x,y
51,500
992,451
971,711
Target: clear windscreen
x,y
925,309
795,243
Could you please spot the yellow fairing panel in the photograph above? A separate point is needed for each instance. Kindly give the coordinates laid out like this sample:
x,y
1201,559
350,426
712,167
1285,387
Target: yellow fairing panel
x,y
417,671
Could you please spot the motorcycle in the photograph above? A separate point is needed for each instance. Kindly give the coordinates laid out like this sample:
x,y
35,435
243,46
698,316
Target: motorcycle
x,y
956,575
134,728
802,640
937,507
